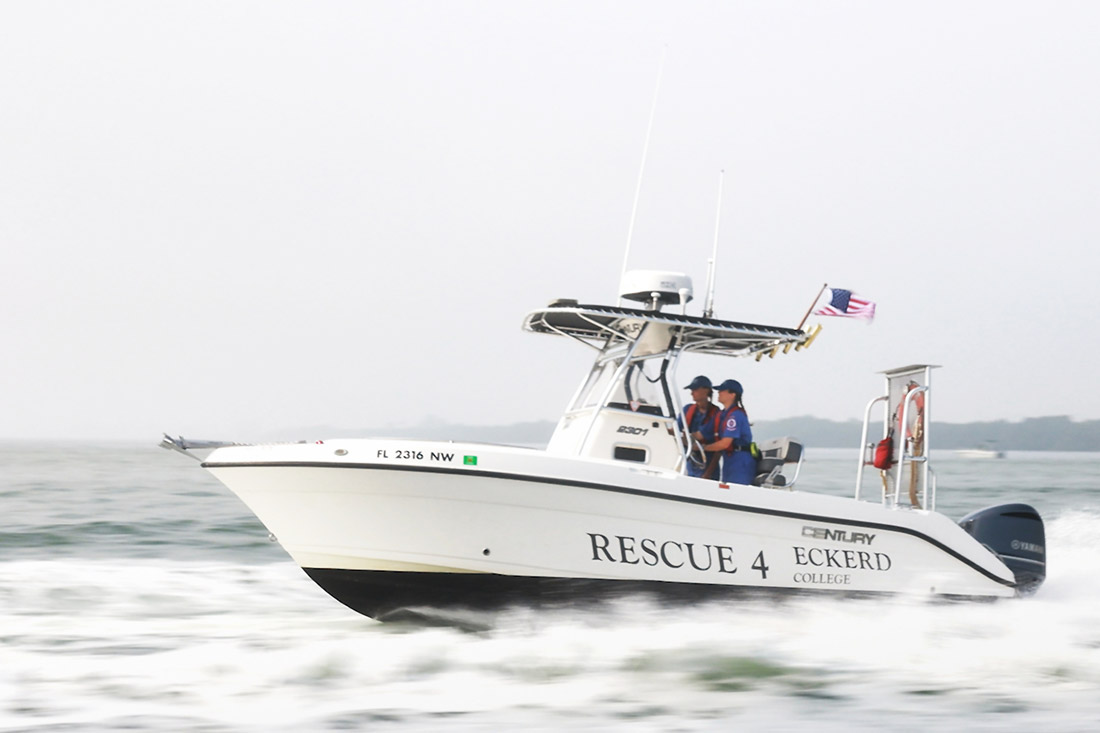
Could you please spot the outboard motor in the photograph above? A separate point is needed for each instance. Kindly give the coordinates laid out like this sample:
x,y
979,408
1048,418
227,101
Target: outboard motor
x,y
1015,534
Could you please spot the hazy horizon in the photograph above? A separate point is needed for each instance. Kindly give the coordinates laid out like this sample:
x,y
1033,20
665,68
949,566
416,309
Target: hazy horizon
x,y
233,219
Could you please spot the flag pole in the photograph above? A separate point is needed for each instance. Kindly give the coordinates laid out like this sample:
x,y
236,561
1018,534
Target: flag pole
x,y
811,308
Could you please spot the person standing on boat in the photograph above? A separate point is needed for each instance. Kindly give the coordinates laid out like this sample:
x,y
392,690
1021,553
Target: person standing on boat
x,y
733,436
700,413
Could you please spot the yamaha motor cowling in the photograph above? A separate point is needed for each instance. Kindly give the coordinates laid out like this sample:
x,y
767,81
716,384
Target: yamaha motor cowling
x,y
1014,533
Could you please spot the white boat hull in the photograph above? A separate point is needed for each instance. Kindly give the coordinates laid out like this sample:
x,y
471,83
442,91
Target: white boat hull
x,y
387,524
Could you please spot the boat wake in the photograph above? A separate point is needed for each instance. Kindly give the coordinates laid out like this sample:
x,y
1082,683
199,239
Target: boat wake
x,y
241,647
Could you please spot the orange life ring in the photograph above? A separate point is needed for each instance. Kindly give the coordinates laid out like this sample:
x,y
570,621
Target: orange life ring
x,y
917,421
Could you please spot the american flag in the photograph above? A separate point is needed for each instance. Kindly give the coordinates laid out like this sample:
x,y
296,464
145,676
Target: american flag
x,y
847,304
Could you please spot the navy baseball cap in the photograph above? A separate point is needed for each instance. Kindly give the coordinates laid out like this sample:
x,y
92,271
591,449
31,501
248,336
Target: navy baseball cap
x,y
730,385
698,382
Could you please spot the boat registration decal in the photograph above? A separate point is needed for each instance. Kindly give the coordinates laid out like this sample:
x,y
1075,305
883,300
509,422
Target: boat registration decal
x,y
419,455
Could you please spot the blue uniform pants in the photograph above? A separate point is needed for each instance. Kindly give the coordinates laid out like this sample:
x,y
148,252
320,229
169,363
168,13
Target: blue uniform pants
x,y
738,467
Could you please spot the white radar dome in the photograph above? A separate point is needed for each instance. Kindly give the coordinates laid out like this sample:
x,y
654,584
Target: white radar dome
x,y
656,287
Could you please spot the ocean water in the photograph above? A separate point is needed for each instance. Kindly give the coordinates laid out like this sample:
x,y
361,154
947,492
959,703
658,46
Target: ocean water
x,y
136,593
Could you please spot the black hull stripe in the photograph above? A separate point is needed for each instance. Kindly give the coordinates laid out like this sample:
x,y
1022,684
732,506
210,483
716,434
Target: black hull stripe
x,y
619,490
389,595
392,595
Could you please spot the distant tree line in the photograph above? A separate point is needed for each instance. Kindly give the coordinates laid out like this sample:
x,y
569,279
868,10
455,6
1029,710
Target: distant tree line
x,y
1058,433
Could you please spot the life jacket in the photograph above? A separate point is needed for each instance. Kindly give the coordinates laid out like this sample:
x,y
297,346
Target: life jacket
x,y
720,420
884,452
711,409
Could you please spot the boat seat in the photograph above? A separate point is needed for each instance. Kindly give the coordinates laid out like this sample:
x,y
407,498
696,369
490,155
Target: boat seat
x,y
775,455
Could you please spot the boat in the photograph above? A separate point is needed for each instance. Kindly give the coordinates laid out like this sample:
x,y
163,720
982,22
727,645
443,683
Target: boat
x,y
389,526
983,453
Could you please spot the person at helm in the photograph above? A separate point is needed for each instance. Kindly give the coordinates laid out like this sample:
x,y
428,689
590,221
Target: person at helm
x,y
733,436
700,413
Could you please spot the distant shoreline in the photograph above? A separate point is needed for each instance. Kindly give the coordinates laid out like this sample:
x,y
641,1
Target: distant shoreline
x,y
1058,433
1055,434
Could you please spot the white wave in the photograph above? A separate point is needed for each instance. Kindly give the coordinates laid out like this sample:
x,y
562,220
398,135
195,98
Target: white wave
x,y
259,647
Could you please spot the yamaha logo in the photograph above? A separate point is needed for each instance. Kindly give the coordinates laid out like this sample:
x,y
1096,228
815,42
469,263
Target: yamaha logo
x,y
1027,547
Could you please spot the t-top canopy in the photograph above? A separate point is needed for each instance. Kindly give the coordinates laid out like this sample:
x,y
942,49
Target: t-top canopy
x,y
598,323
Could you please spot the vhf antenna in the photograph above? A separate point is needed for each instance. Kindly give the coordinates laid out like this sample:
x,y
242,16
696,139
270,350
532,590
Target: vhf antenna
x,y
708,310
641,171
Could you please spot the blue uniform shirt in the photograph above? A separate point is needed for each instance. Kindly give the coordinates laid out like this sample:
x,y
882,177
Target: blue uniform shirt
x,y
734,423
738,467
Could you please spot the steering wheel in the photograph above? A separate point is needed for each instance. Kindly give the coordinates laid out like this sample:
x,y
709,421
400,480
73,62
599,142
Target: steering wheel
x,y
696,454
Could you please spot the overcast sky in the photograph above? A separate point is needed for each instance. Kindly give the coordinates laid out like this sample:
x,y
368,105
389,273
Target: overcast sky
x,y
226,219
